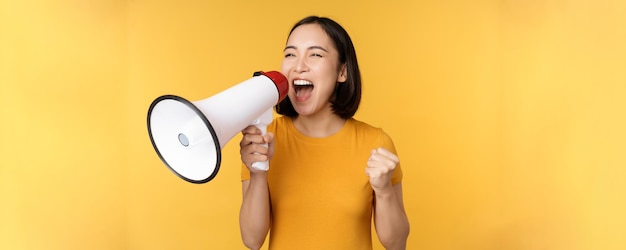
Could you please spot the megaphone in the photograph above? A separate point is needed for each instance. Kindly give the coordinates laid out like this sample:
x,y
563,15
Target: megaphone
x,y
189,136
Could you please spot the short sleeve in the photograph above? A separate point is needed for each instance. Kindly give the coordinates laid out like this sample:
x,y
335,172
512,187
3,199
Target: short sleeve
x,y
245,172
387,143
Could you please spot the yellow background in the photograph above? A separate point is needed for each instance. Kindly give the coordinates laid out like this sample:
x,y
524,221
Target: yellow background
x,y
509,117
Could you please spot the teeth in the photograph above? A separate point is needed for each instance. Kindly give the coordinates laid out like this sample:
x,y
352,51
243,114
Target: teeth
x,y
302,83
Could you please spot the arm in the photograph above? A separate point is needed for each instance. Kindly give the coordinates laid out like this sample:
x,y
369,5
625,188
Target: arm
x,y
390,220
254,215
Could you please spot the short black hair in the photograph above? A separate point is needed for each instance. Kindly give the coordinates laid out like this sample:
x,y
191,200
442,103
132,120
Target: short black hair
x,y
347,95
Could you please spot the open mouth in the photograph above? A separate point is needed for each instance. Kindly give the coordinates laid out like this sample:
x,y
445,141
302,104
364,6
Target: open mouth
x,y
303,88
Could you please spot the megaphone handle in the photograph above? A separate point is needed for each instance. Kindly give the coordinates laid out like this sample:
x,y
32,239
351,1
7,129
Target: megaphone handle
x,y
261,123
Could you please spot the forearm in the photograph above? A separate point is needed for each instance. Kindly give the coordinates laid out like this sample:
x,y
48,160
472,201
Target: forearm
x,y
254,216
391,222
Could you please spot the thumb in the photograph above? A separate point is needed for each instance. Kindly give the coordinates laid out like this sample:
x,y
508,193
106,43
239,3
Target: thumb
x,y
269,138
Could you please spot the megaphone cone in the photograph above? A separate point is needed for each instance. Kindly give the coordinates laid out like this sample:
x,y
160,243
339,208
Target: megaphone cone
x,y
189,136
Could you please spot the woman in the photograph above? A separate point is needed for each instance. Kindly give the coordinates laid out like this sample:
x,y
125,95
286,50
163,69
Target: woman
x,y
329,173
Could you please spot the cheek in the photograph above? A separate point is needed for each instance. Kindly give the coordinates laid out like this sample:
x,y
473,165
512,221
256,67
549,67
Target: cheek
x,y
285,67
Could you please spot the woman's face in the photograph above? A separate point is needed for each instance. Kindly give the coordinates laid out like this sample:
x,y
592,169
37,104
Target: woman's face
x,y
311,64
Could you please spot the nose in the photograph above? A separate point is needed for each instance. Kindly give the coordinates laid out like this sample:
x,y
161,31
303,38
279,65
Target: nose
x,y
301,65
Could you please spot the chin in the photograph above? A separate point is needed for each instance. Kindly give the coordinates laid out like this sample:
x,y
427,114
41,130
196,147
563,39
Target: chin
x,y
303,111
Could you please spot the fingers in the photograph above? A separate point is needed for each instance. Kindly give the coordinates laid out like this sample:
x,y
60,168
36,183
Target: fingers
x,y
380,167
383,158
254,152
255,147
251,134
385,153
251,129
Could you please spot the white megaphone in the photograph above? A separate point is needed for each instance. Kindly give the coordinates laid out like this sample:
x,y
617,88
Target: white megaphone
x,y
189,136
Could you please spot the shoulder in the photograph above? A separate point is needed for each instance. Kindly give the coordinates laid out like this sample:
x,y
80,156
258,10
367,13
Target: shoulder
x,y
366,130
282,119
278,122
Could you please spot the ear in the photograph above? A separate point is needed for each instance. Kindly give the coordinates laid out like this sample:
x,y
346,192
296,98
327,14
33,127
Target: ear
x,y
343,74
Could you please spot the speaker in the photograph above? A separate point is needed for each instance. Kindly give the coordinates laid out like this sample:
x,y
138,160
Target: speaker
x,y
189,136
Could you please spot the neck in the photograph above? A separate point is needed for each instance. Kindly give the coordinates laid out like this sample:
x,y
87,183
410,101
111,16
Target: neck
x,y
319,126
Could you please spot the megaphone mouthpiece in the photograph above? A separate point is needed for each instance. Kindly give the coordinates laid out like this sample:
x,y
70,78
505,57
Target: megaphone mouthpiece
x,y
282,86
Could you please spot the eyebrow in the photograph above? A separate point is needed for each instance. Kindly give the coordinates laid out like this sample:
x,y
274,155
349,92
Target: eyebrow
x,y
309,48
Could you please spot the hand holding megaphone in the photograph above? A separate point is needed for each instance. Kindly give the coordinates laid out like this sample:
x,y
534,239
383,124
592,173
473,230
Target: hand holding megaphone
x,y
188,136
256,148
